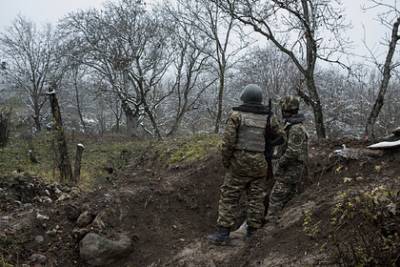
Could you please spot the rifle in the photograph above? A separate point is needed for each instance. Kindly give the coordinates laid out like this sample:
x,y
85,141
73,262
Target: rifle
x,y
268,153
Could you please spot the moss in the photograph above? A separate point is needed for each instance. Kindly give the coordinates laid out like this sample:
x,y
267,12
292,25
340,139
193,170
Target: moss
x,y
194,149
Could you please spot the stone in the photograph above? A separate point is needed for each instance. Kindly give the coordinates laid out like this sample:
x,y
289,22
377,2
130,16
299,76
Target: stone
x,y
46,200
79,233
357,153
39,239
42,217
97,250
64,196
72,212
52,232
38,258
85,219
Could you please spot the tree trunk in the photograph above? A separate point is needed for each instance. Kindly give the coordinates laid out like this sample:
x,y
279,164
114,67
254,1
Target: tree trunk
x,y
117,124
387,68
64,164
220,103
152,120
314,101
36,116
78,106
4,126
131,120
78,159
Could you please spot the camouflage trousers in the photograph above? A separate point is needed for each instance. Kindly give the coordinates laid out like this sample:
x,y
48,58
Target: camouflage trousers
x,y
284,189
231,190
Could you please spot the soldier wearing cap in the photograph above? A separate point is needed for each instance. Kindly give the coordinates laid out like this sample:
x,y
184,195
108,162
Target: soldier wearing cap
x,y
291,166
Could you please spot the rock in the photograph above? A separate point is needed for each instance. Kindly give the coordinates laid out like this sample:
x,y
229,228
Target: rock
x,y
357,153
46,200
97,250
57,191
52,232
42,217
98,221
72,212
27,205
79,233
75,191
38,258
64,196
39,239
85,219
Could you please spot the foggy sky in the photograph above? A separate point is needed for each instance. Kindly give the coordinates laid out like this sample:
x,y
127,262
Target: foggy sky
x,y
42,11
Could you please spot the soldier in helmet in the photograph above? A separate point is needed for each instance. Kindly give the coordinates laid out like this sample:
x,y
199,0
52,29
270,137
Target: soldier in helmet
x,y
246,168
291,166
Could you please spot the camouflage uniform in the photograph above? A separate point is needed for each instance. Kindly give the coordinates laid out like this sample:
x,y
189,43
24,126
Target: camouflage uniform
x,y
242,154
291,166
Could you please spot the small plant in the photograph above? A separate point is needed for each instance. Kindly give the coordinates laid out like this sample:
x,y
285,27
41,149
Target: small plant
x,y
366,228
310,228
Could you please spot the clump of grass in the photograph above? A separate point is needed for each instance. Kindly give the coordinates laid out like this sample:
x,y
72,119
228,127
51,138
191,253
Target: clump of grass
x,y
190,149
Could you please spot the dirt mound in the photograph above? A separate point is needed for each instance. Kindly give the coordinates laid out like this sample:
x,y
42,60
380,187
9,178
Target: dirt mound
x,y
166,210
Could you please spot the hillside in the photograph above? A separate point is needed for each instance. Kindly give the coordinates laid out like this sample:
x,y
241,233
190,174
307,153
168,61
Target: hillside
x,y
157,208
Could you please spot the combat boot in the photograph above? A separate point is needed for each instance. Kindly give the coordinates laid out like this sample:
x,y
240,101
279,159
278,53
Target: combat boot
x,y
220,237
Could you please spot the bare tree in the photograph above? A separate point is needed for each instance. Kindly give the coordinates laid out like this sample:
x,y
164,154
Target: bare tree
x,y
208,18
30,54
123,43
305,30
391,19
191,59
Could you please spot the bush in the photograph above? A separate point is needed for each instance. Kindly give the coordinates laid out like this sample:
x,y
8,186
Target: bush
x,y
367,228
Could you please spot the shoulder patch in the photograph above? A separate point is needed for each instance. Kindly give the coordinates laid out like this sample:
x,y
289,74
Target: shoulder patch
x,y
297,135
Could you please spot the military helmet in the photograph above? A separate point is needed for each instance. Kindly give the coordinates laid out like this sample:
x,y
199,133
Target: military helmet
x,y
252,94
290,103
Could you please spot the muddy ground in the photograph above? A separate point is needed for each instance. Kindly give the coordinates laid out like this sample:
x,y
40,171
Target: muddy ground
x,y
167,211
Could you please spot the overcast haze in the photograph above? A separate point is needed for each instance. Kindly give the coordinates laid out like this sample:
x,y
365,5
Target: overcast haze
x,y
42,11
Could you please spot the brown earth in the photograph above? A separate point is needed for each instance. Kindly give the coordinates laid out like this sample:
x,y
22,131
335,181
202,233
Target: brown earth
x,y
169,210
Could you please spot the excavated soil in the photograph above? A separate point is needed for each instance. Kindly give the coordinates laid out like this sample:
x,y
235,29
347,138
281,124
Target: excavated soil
x,y
168,211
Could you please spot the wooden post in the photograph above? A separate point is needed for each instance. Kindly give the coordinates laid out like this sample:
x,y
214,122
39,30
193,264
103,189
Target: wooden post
x,y
64,164
78,159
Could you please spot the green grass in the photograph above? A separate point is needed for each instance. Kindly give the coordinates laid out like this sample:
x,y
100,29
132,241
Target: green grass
x,y
99,151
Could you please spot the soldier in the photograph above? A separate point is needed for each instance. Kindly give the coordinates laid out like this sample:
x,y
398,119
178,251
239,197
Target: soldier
x,y
246,168
291,166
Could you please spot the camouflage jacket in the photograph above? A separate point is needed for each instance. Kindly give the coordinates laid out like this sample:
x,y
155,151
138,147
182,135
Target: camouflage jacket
x,y
246,162
294,152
